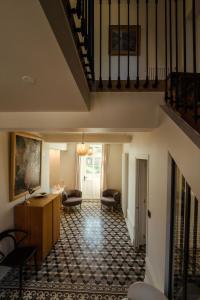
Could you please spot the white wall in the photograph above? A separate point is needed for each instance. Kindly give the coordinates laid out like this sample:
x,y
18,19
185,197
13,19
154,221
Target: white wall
x,y
114,175
54,167
167,138
6,207
133,21
67,166
62,166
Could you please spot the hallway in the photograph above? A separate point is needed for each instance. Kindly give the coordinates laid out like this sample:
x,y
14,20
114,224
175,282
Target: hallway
x,y
94,259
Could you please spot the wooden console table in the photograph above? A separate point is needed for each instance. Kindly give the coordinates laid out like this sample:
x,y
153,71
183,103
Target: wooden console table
x,y
41,220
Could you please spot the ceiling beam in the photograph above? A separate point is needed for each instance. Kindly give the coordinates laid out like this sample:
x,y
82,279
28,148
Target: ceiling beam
x,y
89,138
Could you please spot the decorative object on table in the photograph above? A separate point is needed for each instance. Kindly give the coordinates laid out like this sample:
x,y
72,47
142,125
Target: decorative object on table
x,y
83,148
20,255
30,191
110,198
26,160
134,41
58,188
40,195
71,198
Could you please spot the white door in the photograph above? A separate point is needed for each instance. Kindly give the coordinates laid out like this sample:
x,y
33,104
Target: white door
x,y
91,173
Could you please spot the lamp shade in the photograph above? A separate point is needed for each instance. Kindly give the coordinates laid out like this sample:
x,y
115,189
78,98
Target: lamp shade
x,y
90,151
82,149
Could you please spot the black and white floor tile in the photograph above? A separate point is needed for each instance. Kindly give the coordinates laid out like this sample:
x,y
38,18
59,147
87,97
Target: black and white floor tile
x,y
94,259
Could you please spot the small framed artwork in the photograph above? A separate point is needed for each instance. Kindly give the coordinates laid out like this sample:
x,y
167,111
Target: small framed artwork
x,y
26,160
134,41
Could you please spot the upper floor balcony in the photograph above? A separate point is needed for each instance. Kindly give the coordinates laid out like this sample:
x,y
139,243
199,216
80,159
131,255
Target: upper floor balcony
x,y
141,45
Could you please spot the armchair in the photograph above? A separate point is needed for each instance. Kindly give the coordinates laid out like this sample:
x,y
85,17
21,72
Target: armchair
x,y
19,255
110,198
71,198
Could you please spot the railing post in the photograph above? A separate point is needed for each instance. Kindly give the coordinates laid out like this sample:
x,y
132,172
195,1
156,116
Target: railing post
x,y
137,84
156,44
119,59
186,241
109,67
194,59
86,25
195,237
166,53
78,8
170,48
128,58
177,58
147,45
91,35
100,46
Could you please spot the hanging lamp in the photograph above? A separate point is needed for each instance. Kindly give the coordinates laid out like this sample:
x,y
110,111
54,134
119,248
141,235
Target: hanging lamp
x,y
82,149
90,151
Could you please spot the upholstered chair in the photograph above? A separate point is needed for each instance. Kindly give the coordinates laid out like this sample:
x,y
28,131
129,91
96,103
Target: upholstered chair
x,y
110,198
71,198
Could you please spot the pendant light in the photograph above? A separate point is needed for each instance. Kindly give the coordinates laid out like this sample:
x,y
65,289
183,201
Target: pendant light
x,y
82,149
90,151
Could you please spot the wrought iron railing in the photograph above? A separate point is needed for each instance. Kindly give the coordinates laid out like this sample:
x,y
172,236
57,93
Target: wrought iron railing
x,y
182,91
155,55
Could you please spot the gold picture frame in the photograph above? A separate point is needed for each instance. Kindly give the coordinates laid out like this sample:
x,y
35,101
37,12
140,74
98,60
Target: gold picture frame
x,y
25,164
134,41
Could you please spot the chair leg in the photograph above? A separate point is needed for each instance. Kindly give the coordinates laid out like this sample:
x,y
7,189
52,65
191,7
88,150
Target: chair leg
x,y
112,208
20,281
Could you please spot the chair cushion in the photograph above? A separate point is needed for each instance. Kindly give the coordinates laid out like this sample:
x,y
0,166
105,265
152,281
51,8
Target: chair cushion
x,y
109,201
18,256
72,201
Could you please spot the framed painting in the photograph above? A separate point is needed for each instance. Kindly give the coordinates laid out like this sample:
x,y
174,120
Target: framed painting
x,y
134,41
26,161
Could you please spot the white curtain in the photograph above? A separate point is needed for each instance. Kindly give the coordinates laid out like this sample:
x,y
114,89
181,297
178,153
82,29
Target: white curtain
x,y
104,167
77,172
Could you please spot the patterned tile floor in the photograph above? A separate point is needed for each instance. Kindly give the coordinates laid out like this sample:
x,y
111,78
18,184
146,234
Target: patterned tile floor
x,y
93,259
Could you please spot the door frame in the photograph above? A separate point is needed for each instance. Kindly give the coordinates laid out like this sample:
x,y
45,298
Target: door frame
x,y
125,184
137,158
83,170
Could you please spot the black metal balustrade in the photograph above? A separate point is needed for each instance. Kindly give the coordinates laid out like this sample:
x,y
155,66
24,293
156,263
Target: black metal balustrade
x,y
182,84
184,264
81,17
146,66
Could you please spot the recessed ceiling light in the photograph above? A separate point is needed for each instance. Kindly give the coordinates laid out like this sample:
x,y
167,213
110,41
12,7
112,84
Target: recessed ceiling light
x,y
28,79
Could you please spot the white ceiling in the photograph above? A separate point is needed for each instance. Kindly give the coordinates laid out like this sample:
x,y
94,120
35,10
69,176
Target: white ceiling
x,y
29,47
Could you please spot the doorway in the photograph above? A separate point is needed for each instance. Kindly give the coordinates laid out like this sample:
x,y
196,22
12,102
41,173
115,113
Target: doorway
x,y
90,173
141,202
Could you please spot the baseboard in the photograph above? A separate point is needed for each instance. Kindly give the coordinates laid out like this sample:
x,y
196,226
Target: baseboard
x,y
130,227
150,277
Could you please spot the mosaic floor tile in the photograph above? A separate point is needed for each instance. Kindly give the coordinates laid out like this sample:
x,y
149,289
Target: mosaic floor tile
x,y
94,259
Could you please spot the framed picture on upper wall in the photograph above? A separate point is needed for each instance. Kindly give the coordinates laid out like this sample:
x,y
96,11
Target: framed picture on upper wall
x,y
26,161
134,41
